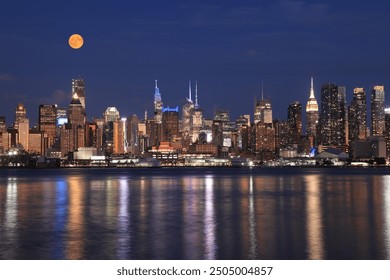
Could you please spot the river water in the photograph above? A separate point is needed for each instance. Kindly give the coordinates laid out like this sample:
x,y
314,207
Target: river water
x,y
195,213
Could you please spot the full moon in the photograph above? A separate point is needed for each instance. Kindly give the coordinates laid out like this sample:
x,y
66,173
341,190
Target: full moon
x,y
76,41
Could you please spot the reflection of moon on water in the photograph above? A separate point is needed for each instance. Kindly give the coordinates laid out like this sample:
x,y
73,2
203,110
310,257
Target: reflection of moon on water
x,y
76,41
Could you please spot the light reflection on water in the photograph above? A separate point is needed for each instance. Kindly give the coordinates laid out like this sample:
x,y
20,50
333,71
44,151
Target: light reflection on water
x,y
195,214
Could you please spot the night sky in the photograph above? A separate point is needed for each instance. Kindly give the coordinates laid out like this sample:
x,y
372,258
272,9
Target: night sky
x,y
228,46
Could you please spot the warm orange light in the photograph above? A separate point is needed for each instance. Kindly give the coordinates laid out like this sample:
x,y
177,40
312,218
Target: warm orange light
x,y
76,41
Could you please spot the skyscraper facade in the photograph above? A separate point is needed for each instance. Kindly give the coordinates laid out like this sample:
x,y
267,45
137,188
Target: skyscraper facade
x,y
47,123
294,121
357,116
20,114
186,123
378,111
333,116
78,87
170,123
312,116
387,131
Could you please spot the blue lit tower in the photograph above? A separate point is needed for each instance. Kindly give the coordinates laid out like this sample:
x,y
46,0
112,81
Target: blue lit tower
x,y
157,105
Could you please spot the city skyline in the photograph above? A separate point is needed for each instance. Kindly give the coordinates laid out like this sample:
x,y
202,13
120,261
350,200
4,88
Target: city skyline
x,y
229,48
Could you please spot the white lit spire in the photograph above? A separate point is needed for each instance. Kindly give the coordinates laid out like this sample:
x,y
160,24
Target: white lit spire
x,y
189,91
312,105
312,89
196,94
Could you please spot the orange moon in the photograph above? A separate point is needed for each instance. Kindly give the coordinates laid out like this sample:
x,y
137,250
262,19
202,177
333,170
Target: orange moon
x,y
76,41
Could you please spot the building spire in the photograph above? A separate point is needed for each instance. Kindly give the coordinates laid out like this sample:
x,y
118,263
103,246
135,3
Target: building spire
x,y
311,88
189,90
262,90
155,82
196,94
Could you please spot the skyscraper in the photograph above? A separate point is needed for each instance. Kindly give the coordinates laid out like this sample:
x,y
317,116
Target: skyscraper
x,y
186,124
311,116
197,117
158,104
132,134
77,121
20,114
378,111
170,123
47,123
357,116
333,116
76,112
294,121
387,131
78,87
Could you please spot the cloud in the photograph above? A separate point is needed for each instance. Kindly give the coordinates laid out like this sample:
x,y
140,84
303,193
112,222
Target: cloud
x,y
58,97
5,77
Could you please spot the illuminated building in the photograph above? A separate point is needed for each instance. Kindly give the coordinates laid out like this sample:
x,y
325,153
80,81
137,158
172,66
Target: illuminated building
x,y
378,111
197,117
333,116
3,126
294,121
111,115
78,87
281,134
170,123
357,117
35,142
263,110
265,141
119,133
72,134
132,134
20,114
158,105
47,123
387,131
24,133
312,116
186,124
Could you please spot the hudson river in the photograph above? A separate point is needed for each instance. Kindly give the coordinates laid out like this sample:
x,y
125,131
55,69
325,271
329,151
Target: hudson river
x,y
195,213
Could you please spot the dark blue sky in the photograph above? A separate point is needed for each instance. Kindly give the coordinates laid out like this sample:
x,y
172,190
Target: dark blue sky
x,y
228,46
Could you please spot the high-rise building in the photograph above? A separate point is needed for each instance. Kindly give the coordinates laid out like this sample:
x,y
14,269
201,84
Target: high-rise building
x,y
265,141
20,114
47,123
78,87
133,134
3,125
387,131
378,111
186,123
357,117
312,116
76,112
281,134
294,121
23,133
119,132
158,104
76,123
111,114
333,116
170,123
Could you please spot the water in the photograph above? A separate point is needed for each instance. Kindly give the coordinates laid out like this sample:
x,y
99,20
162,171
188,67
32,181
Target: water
x,y
179,213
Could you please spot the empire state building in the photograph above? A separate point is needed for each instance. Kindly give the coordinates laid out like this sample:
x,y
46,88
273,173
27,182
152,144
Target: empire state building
x,y
311,116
